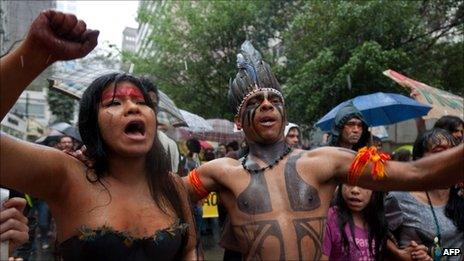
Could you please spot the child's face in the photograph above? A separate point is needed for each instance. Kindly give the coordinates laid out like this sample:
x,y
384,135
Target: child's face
x,y
356,198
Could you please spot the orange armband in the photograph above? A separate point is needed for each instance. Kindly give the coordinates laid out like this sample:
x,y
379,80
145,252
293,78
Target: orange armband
x,y
364,156
196,184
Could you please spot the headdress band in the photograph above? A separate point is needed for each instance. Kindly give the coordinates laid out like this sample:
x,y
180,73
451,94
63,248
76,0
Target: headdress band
x,y
245,98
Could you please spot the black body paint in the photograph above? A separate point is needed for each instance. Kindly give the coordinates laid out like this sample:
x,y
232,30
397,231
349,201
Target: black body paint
x,y
266,152
302,196
257,232
312,228
255,199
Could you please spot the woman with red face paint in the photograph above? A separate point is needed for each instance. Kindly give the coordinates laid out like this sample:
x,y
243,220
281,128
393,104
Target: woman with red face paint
x,y
127,206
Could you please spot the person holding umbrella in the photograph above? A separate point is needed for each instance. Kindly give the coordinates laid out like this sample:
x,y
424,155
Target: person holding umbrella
x,y
349,129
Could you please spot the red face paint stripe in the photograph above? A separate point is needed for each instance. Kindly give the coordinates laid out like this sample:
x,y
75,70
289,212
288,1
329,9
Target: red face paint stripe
x,y
124,91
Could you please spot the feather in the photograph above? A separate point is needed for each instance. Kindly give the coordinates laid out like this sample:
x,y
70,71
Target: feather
x,y
253,73
252,56
243,63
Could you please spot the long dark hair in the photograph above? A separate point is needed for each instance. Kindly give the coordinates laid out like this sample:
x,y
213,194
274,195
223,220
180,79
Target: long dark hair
x,y
454,209
374,216
449,123
161,183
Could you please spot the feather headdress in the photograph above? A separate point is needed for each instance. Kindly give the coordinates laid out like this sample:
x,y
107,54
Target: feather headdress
x,y
253,75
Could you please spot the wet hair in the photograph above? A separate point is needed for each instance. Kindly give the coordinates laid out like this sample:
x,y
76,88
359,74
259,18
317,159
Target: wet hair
x,y
209,155
194,146
161,183
454,208
253,73
150,86
425,142
233,145
374,216
449,123
402,155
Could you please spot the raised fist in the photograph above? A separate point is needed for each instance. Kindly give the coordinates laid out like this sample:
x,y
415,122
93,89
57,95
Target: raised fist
x,y
61,36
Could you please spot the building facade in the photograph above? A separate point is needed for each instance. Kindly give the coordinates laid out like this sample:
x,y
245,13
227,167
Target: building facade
x,y
16,17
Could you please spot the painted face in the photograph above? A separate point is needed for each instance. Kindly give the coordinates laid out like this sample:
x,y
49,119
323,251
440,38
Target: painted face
x,y
126,123
352,131
262,117
292,137
356,198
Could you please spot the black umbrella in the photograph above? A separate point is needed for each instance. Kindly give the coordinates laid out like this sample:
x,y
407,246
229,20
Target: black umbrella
x,y
73,133
60,126
54,136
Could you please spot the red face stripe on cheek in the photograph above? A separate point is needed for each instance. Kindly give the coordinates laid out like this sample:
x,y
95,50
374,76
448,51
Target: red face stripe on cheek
x,y
123,91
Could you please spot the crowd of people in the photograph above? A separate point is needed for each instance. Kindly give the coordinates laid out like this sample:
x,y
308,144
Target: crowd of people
x,y
130,195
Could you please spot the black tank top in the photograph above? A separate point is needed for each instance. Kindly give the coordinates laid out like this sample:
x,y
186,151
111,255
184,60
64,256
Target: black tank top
x,y
107,244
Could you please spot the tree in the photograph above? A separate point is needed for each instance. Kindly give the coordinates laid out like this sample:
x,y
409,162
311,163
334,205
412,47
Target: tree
x,y
338,50
61,106
191,50
335,50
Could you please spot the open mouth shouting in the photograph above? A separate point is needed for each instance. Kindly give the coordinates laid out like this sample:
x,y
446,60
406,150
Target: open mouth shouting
x,y
135,130
267,121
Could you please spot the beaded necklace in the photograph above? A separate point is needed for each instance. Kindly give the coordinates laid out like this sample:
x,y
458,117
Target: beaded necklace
x,y
287,150
437,249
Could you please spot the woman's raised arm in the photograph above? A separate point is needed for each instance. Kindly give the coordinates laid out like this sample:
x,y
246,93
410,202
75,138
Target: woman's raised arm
x,y
53,36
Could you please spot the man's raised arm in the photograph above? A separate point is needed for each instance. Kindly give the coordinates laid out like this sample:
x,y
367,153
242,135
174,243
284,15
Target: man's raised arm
x,y
440,170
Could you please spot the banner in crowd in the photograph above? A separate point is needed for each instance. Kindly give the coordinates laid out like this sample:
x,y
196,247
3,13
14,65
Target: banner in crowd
x,y
442,102
210,206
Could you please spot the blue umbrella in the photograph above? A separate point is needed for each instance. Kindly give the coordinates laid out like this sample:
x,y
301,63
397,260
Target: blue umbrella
x,y
379,109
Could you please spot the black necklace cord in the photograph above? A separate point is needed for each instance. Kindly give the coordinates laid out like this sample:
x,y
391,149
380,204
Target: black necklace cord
x,y
286,151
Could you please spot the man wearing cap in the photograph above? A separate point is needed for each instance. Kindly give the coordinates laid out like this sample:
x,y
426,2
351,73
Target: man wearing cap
x,y
278,197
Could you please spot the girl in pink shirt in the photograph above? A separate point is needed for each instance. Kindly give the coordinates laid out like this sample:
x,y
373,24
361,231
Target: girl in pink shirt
x,y
356,228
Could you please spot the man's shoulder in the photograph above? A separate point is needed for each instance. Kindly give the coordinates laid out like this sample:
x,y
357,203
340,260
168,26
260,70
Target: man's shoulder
x,y
326,152
221,163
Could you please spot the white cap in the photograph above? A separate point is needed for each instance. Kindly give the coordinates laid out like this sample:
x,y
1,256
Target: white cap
x,y
289,126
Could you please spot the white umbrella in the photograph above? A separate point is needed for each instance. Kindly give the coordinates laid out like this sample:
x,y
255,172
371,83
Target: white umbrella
x,y
195,123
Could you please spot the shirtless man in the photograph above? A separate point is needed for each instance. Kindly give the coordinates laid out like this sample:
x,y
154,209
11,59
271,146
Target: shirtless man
x,y
278,198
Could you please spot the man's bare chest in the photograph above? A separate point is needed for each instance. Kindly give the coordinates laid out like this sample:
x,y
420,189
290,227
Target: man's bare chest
x,y
281,188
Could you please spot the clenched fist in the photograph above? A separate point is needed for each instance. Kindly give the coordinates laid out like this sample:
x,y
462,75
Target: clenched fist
x,y
62,36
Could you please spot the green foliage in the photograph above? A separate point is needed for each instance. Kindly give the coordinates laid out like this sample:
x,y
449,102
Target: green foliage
x,y
61,106
192,48
331,42
334,50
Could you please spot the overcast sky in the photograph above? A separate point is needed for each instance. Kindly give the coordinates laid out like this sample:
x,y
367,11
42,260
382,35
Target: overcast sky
x,y
109,17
